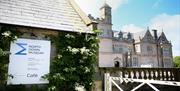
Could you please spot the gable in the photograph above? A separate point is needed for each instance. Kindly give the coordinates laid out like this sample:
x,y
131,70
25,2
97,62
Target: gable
x,y
148,37
162,38
49,14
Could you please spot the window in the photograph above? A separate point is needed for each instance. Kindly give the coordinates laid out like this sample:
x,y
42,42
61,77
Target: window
x,y
135,62
167,63
138,49
165,51
115,48
149,49
120,50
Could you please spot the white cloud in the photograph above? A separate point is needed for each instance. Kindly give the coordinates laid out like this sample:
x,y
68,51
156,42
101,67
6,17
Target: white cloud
x,y
170,24
131,28
165,21
93,6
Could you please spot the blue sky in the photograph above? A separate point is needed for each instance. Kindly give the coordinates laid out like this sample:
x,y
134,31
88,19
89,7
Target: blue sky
x,y
136,15
140,12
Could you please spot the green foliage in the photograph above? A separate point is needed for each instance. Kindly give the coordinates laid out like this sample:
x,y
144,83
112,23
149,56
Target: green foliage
x,y
176,61
7,35
74,65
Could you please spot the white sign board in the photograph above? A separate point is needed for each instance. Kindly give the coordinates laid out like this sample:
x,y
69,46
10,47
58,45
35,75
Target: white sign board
x,y
29,61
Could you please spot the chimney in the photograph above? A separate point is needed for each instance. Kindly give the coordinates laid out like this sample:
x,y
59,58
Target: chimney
x,y
155,34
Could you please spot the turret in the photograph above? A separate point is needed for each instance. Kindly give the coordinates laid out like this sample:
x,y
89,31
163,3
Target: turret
x,y
106,13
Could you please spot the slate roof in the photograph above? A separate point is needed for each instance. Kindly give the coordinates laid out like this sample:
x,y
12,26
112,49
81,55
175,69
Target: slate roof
x,y
51,14
143,35
116,34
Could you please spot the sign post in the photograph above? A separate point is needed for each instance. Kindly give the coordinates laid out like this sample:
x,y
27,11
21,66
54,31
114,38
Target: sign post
x,y
29,61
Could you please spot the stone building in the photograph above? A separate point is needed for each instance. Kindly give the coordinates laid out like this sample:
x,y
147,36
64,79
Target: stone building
x,y
124,49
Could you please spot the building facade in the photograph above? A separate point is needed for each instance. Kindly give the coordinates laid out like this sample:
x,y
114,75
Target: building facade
x,y
125,49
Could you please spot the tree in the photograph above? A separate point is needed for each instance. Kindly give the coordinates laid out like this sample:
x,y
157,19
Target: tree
x,y
176,61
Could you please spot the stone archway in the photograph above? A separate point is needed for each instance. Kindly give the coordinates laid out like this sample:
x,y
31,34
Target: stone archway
x,y
118,62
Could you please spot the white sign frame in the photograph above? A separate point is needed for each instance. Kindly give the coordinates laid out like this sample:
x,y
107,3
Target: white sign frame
x,y
29,61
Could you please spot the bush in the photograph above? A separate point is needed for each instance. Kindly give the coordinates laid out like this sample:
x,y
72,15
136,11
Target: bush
x,y
74,65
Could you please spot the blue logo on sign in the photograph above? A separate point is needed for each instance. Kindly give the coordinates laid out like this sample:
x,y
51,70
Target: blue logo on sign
x,y
22,51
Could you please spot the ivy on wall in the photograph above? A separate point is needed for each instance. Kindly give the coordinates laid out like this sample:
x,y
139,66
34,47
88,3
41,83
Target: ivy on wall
x,y
7,35
74,65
